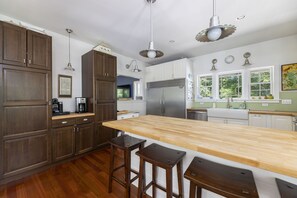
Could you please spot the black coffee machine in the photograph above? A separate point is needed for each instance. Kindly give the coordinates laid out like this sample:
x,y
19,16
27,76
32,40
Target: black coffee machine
x,y
57,107
81,105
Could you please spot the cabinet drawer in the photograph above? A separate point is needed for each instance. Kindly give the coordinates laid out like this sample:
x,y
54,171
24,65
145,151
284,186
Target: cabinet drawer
x,y
83,120
63,122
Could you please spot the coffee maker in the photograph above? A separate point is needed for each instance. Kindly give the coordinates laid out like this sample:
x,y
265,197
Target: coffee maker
x,y
57,107
80,105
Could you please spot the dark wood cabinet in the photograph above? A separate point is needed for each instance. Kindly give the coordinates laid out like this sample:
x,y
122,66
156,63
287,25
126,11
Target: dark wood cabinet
x,y
14,44
25,108
21,47
84,138
72,136
63,143
39,50
99,73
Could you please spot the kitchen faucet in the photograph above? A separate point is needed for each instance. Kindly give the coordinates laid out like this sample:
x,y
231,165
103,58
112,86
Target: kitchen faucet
x,y
229,99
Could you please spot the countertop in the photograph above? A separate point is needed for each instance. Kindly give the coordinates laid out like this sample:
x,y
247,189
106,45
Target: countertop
x,y
285,113
72,115
268,149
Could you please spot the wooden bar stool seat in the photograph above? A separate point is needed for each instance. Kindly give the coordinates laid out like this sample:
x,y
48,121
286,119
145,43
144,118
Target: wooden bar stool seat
x,y
165,158
127,144
286,189
221,179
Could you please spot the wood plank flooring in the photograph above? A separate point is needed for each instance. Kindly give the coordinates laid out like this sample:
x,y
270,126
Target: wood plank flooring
x,y
83,177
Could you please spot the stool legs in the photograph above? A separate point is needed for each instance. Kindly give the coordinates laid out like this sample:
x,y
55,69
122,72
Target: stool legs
x,y
111,166
169,183
154,172
141,181
179,168
194,189
127,173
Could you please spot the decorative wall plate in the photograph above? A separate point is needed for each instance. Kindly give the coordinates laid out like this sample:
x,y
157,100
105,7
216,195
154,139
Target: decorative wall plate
x,y
229,59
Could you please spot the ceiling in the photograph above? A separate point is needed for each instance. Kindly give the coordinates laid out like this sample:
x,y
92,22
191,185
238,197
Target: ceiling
x,y
124,25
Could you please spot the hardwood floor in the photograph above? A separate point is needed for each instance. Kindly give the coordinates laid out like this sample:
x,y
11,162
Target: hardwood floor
x,y
83,177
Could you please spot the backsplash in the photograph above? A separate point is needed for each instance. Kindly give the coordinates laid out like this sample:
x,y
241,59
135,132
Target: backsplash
x,y
258,105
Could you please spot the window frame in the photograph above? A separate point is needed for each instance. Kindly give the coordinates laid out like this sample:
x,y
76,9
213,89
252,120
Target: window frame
x,y
272,86
227,73
212,86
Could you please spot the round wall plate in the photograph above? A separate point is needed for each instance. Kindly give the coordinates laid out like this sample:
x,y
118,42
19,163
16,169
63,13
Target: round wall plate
x,y
229,59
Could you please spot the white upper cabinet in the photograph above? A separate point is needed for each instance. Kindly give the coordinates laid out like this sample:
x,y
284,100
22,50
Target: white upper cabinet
x,y
168,71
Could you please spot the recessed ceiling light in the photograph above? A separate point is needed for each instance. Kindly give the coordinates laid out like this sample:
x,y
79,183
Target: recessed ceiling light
x,y
241,17
171,41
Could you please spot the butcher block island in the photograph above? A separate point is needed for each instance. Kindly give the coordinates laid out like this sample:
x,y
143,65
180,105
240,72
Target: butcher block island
x,y
272,152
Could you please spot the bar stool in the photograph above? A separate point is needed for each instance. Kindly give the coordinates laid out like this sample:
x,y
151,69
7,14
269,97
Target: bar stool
x,y
127,144
221,179
286,189
165,158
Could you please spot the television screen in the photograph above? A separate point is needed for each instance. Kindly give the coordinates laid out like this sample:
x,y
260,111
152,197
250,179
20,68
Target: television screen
x,y
124,91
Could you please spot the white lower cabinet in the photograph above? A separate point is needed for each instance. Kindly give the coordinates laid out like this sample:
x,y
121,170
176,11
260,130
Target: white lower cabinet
x,y
127,116
271,121
228,121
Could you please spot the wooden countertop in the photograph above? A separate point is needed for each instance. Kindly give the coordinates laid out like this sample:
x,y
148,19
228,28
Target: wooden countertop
x,y
268,149
72,115
285,113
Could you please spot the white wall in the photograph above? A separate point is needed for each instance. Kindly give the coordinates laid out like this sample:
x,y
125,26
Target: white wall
x,y
269,53
78,48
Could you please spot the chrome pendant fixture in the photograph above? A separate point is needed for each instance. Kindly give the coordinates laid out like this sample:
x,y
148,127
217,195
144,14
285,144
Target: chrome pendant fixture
x,y
69,66
151,52
215,31
136,69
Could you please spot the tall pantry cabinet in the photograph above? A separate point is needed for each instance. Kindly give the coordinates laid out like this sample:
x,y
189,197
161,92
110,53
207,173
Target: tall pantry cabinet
x,y
99,74
25,95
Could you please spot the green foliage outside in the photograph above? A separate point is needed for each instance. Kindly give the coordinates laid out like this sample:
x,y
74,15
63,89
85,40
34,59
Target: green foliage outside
x,y
230,85
260,83
206,86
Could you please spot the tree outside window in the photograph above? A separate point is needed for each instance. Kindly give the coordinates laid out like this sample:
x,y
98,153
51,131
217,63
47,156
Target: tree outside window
x,y
206,86
260,83
230,85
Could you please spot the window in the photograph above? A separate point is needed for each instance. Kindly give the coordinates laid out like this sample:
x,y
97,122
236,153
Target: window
x,y
260,83
205,89
230,85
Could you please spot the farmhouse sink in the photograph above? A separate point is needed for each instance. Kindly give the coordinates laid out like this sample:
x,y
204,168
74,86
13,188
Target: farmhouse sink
x,y
228,113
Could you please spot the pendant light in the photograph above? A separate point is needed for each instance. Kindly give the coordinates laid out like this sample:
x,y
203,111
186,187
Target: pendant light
x,y
136,69
69,66
215,30
151,52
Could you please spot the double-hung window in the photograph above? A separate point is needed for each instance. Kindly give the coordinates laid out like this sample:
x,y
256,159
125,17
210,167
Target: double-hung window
x,y
230,85
261,83
205,88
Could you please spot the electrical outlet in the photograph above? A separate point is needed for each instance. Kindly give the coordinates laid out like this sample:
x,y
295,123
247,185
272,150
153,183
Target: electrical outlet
x,y
264,104
287,101
201,103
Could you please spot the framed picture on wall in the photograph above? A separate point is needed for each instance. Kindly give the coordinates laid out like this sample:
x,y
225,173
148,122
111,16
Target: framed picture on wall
x,y
289,77
65,86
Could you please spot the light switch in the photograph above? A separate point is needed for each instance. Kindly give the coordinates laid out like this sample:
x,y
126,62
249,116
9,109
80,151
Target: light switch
x,y
287,101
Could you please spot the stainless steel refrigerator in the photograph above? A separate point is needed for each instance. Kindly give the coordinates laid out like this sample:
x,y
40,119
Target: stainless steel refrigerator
x,y
166,98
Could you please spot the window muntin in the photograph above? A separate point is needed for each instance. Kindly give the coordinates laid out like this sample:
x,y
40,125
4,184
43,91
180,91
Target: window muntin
x,y
205,88
260,83
230,85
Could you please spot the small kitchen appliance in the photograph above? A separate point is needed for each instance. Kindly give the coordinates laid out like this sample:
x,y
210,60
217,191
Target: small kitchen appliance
x,y
57,108
80,105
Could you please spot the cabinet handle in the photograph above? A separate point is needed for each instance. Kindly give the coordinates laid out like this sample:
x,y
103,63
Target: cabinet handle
x,y
64,122
86,119
107,74
30,61
24,61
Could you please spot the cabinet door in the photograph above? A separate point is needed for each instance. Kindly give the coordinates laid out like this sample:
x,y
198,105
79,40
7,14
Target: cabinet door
x,y
103,134
282,122
258,120
105,91
217,120
39,50
238,122
84,138
106,112
23,154
63,142
99,65
110,66
14,45
149,74
179,69
167,71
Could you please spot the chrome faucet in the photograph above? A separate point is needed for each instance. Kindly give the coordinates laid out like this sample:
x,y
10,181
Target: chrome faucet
x,y
229,99
243,105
